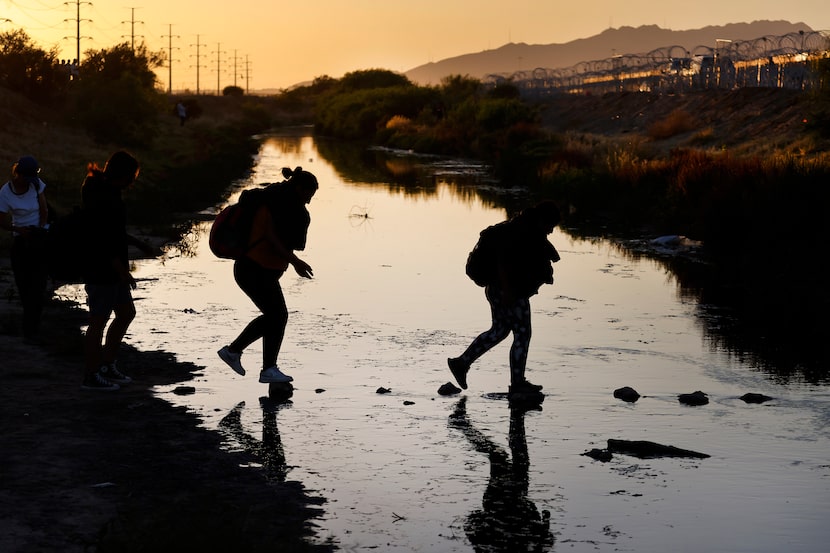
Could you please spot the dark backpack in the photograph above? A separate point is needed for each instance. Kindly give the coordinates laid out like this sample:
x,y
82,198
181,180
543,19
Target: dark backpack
x,y
231,230
482,262
67,252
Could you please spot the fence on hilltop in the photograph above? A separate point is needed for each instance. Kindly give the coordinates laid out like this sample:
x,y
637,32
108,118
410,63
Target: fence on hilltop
x,y
785,61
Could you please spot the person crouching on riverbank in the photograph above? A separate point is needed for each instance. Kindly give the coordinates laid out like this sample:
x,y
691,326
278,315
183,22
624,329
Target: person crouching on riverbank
x,y
280,228
107,277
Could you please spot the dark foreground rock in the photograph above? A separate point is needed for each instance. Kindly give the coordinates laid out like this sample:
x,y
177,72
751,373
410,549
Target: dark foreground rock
x,y
694,399
641,449
647,450
627,394
755,398
448,389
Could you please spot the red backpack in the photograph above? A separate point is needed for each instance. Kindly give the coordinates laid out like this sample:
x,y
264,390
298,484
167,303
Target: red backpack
x,y
231,230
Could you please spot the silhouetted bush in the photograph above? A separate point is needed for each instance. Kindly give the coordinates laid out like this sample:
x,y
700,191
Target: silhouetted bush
x,y
372,79
31,71
676,122
233,91
362,113
116,98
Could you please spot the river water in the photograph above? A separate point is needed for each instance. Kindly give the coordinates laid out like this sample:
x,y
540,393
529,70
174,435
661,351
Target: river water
x,y
412,470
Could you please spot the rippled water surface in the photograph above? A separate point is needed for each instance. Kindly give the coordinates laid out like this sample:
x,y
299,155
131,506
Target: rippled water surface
x,y
415,471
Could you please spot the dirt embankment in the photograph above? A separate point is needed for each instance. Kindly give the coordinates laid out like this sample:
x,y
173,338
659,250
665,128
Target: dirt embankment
x,y
124,471
745,122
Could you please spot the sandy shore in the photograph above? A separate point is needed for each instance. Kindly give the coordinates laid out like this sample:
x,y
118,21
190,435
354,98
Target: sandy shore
x,y
123,471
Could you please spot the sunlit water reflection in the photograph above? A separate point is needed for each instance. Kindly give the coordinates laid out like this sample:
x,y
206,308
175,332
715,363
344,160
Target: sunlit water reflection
x,y
390,302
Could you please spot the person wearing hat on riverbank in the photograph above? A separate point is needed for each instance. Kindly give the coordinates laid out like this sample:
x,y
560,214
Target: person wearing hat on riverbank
x,y
521,264
107,278
279,229
24,212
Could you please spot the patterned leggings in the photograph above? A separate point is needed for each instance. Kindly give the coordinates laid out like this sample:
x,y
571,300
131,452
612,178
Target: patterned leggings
x,y
507,317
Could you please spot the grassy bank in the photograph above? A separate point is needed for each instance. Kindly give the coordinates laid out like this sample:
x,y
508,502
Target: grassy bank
x,y
184,169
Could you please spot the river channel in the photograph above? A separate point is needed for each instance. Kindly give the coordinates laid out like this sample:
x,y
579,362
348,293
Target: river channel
x,y
412,470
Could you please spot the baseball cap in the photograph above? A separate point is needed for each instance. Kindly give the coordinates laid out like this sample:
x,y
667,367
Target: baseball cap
x,y
27,167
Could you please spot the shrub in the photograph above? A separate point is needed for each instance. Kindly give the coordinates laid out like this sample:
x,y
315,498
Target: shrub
x,y
115,98
676,122
28,70
233,91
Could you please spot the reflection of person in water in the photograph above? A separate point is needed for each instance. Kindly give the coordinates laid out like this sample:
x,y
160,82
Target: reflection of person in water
x,y
508,520
269,450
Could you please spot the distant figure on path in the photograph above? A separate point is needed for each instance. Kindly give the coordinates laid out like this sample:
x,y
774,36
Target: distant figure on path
x,y
107,277
279,229
181,111
521,263
24,212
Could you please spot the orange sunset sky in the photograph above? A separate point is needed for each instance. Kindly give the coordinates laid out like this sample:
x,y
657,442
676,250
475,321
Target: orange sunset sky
x,y
279,44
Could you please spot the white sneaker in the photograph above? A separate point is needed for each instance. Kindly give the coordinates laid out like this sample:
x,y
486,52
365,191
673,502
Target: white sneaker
x,y
234,360
273,375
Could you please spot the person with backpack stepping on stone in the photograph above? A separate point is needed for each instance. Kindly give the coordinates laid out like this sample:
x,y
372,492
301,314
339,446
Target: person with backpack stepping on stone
x,y
511,260
279,228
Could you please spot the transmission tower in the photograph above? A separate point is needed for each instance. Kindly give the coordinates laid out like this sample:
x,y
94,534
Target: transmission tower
x,y
218,53
78,20
170,37
132,23
199,65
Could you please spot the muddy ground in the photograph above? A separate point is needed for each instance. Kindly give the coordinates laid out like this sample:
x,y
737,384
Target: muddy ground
x,y
123,471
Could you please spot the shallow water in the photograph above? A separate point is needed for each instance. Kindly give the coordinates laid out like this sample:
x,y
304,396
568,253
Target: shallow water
x,y
411,470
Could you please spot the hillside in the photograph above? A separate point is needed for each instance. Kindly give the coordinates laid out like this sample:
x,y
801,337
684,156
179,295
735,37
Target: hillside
x,y
750,121
625,40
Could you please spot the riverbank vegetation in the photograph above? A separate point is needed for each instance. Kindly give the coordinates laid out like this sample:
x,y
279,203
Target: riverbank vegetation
x,y
623,161
731,168
719,166
744,171
67,123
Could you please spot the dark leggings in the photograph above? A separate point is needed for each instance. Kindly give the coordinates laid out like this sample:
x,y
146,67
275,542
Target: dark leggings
x,y
263,287
507,317
28,258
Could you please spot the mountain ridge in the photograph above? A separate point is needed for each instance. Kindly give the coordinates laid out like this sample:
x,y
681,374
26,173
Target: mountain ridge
x,y
513,57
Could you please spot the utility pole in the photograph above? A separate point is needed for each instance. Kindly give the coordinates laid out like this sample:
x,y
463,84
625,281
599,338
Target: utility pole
x,y
170,36
132,23
198,62
78,28
247,74
219,53
235,70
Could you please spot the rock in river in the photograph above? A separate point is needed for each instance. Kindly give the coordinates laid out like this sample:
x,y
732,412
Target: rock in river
x,y
626,393
755,398
647,450
695,398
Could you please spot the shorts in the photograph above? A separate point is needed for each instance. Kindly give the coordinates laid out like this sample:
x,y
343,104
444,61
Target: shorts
x,y
102,299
